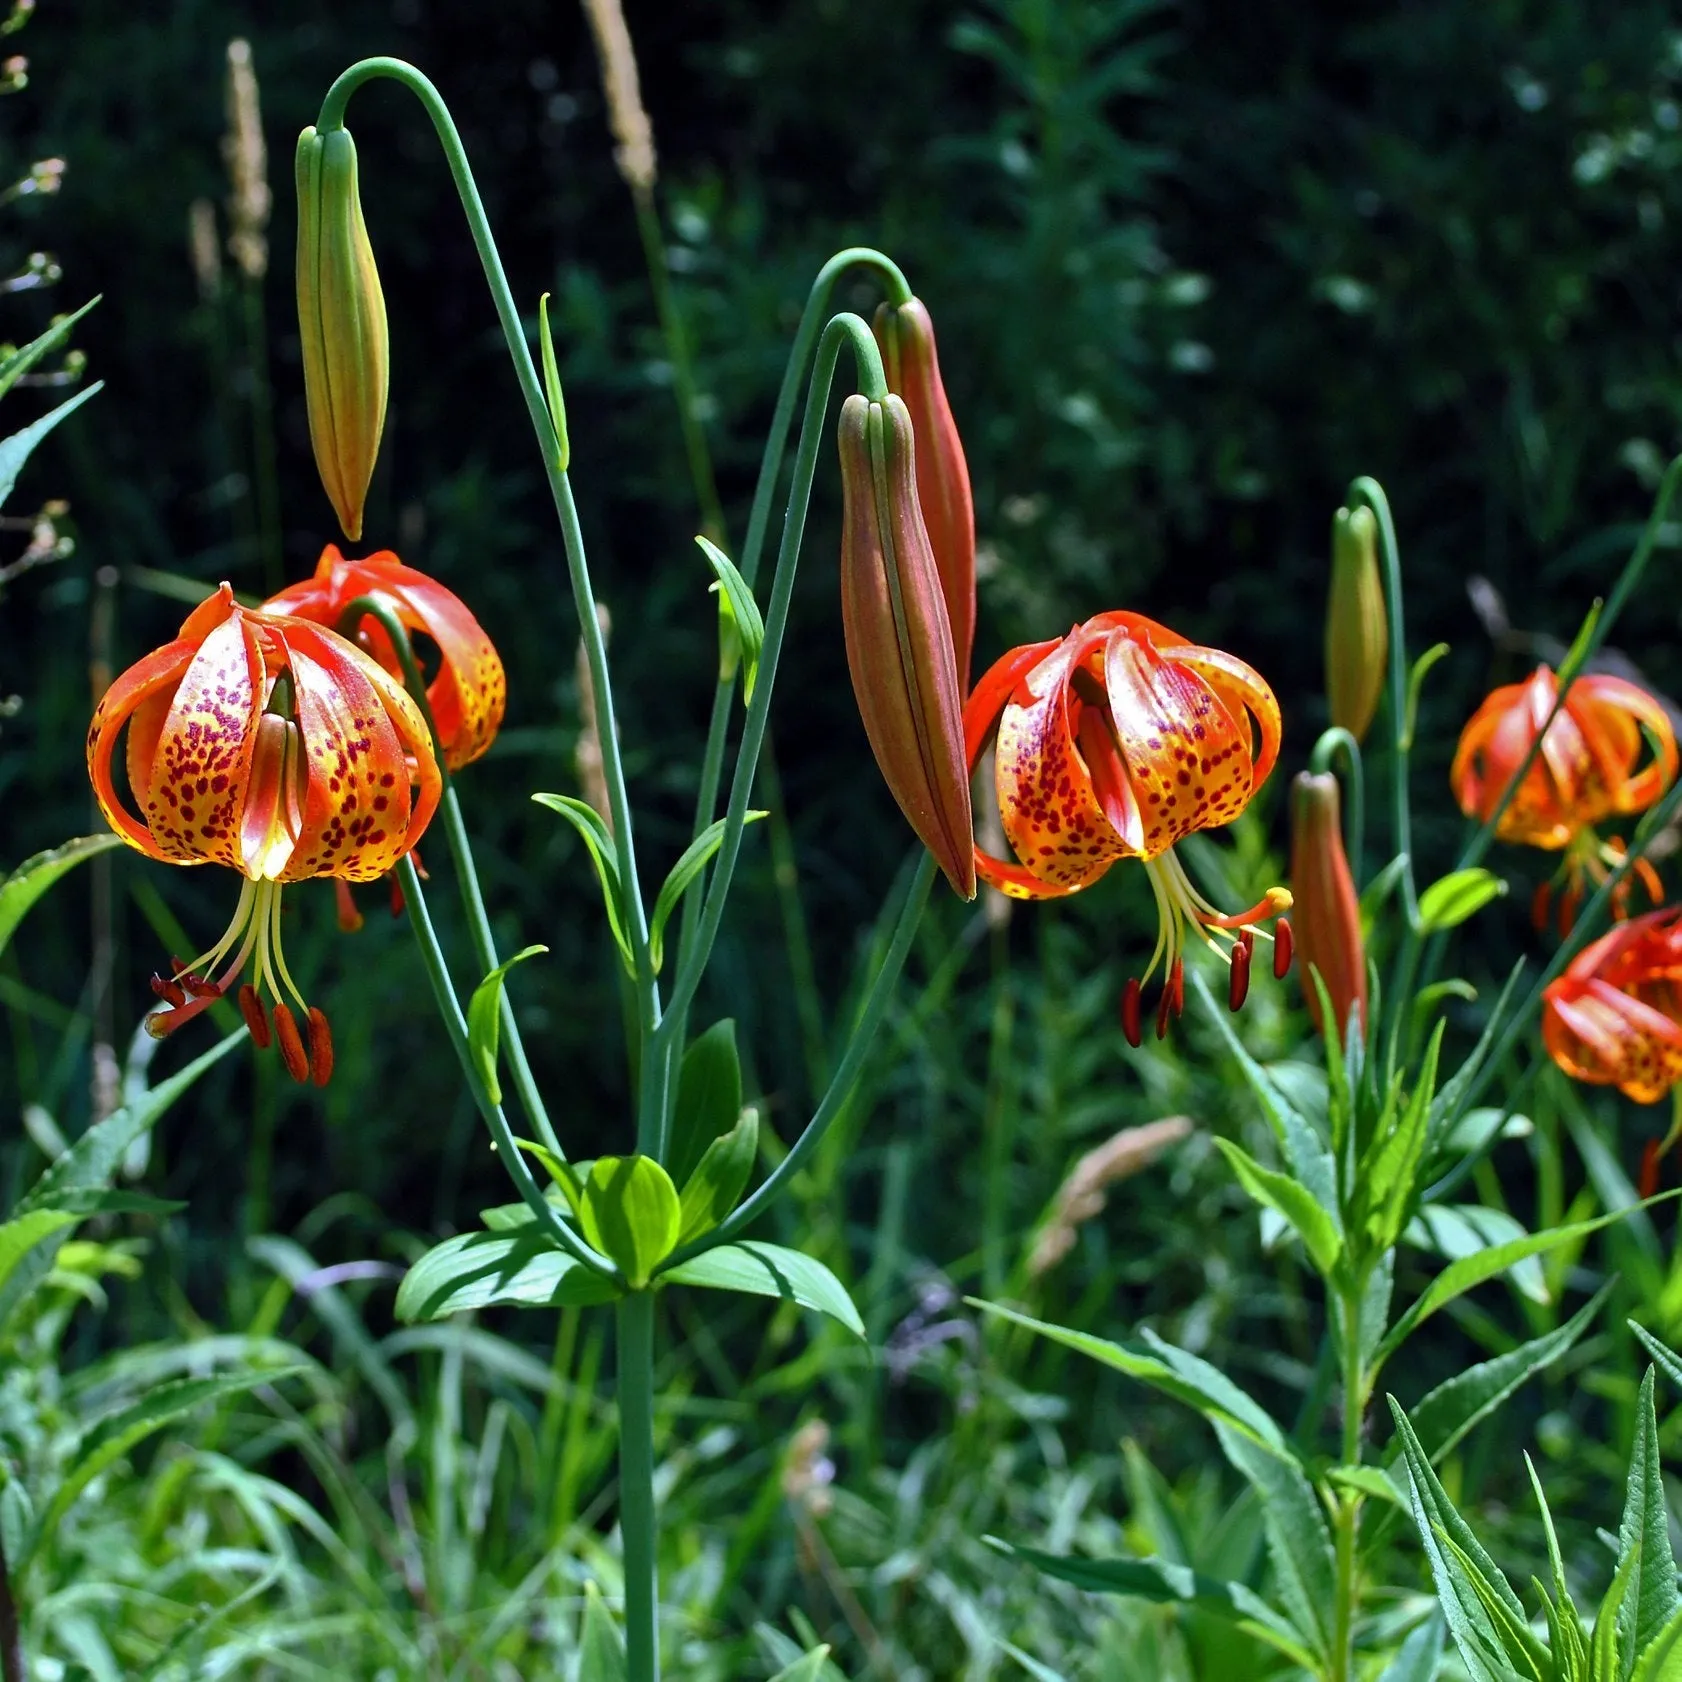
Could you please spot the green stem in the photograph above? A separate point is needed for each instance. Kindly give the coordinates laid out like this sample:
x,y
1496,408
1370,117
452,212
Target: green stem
x,y
461,851
1333,743
842,330
638,1529
770,471
455,1025
845,1077
583,595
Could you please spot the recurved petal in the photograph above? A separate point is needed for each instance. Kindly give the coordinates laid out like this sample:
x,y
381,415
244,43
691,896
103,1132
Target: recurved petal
x,y
1241,688
140,698
470,693
1597,1034
203,755
1612,713
1185,754
1051,812
356,796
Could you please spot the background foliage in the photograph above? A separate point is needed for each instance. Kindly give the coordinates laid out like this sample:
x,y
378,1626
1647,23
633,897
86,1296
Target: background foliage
x,y
1192,270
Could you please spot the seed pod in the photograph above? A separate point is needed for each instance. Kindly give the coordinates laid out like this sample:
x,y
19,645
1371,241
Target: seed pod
x,y
899,640
1328,914
906,336
1357,627
341,321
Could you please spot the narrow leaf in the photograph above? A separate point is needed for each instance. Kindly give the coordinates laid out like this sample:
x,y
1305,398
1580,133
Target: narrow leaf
x,y
35,875
769,1270
810,1668
1418,1659
741,625
1458,1278
484,1020
709,1097
552,385
601,1648
1457,1230
684,875
1650,1601
1163,1583
594,833
720,1177
1317,1229
1450,900
17,449
21,361
1662,1662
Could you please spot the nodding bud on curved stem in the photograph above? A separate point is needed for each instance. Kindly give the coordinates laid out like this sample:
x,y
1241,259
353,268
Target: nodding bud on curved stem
x,y
899,640
1328,913
1357,626
906,337
341,322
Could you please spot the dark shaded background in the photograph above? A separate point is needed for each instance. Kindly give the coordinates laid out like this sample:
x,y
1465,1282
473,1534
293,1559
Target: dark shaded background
x,y
1193,268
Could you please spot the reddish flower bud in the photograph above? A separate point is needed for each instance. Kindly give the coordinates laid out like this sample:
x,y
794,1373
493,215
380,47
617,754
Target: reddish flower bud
x,y
899,640
906,336
1357,626
1328,914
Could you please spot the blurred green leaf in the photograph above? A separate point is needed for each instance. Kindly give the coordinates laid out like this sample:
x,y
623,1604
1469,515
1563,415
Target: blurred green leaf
x,y
35,875
1448,902
17,449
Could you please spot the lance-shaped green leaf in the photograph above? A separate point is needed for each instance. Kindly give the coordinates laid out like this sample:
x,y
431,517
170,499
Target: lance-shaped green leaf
x,y
518,1268
35,875
1466,1578
709,1097
18,1237
769,1270
629,1211
808,1668
17,449
601,1647
552,385
1450,900
1662,1661
716,1186
1459,1403
115,1436
1173,1372
1650,1600
21,361
1164,1583
683,877
598,840
1462,1275
1279,1192
1420,1655
741,627
1456,1230
484,1021
1416,683
1389,1170
1664,1357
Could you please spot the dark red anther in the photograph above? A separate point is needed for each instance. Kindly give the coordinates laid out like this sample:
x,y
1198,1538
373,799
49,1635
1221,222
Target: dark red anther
x,y
1648,1183
1283,946
1177,985
200,988
1238,983
321,1046
1130,1025
256,1018
1163,1006
292,1052
1541,902
398,904
1247,939
171,992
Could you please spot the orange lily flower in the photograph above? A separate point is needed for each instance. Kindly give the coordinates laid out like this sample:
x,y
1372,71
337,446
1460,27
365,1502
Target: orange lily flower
x,y
277,748
469,692
1594,764
1115,743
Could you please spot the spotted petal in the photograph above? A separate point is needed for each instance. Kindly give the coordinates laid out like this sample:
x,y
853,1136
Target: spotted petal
x,y
1598,1034
139,698
1612,713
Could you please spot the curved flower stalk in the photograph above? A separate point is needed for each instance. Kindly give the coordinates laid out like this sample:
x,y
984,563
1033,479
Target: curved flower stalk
x,y
468,695
1610,752
1115,743
277,748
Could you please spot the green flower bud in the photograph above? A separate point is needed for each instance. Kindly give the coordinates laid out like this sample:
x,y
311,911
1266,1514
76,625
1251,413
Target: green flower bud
x,y
1357,627
341,319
